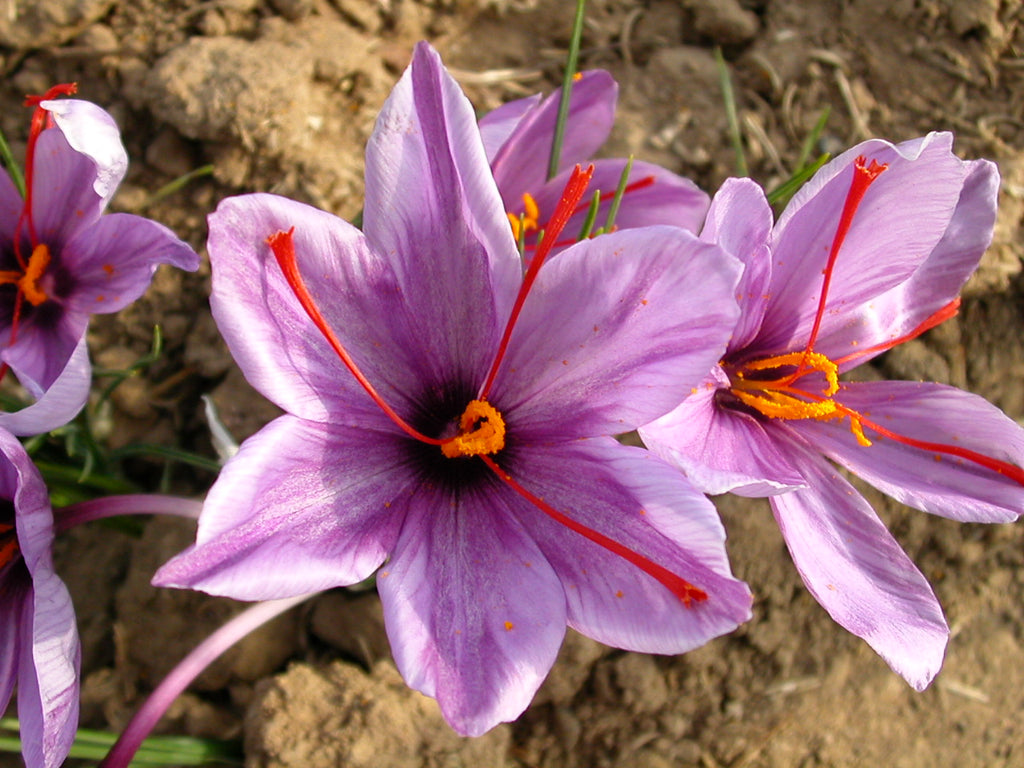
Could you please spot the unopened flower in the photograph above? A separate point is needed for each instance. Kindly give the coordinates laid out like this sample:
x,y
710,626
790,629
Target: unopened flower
x,y
518,136
871,252
61,261
39,648
451,419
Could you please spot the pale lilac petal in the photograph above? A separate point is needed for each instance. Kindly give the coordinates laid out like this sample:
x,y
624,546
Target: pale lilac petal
x,y
740,221
904,214
521,165
63,196
647,506
60,402
302,507
858,572
277,346
944,485
936,282
668,199
474,613
91,131
721,450
49,661
112,262
433,209
497,125
611,336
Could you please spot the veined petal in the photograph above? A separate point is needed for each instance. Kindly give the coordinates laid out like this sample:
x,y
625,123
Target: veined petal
x,y
942,484
17,593
277,346
433,210
858,573
719,449
300,508
474,613
615,332
903,216
497,125
50,651
58,380
900,310
521,164
113,261
64,197
740,222
91,131
642,503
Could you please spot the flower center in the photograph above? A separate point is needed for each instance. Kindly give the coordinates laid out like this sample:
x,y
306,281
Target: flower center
x,y
481,432
28,280
769,386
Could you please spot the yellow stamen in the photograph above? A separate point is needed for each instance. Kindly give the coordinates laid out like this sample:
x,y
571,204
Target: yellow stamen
x,y
27,282
809,361
532,211
512,219
481,432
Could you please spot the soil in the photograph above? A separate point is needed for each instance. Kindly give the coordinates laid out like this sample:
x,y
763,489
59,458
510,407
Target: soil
x,y
281,95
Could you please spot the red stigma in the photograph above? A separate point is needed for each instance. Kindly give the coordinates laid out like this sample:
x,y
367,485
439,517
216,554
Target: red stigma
x,y
687,593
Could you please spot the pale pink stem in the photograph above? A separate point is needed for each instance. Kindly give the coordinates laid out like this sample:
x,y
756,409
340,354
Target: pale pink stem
x,y
129,504
188,669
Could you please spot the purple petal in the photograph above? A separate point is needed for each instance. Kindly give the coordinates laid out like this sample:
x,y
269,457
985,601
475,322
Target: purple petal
x,y
433,208
474,613
900,310
521,165
643,504
719,449
57,403
942,484
92,131
17,593
63,195
859,574
659,197
301,507
904,214
11,205
49,661
615,332
740,222
45,344
112,262
497,125
271,337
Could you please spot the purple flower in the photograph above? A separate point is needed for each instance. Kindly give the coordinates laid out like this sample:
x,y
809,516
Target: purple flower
x,y
867,255
517,138
493,495
39,650
61,261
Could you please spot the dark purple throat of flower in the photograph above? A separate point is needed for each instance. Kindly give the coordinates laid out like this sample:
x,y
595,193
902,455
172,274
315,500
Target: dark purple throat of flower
x,y
802,384
8,545
29,271
480,432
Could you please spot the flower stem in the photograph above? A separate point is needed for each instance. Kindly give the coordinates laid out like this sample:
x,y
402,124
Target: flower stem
x,y
188,669
68,517
567,81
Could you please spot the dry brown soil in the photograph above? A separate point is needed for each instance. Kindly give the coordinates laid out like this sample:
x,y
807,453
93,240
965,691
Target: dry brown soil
x,y
280,95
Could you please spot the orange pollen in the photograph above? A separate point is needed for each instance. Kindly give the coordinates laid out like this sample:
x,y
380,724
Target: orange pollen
x,y
529,220
481,432
779,398
27,281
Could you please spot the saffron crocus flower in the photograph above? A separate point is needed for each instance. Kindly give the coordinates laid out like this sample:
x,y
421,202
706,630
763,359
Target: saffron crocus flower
x,y
870,253
450,418
61,261
39,650
517,138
